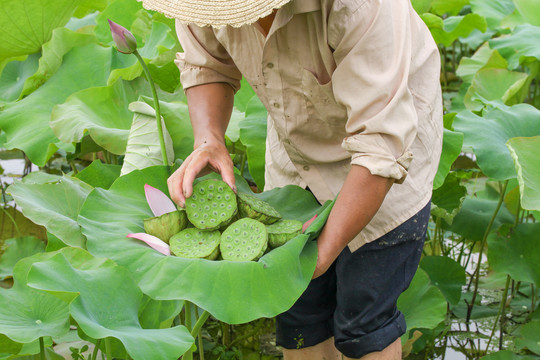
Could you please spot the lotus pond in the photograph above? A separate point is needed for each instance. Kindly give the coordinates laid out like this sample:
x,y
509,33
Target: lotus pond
x,y
79,141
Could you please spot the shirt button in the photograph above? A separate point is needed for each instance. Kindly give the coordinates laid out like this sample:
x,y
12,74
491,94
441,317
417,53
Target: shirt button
x,y
276,105
270,65
306,168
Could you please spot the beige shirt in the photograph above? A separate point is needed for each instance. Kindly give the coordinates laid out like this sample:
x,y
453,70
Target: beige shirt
x,y
345,82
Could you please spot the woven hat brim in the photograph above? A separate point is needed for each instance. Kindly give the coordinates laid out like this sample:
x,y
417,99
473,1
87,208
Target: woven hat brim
x,y
215,13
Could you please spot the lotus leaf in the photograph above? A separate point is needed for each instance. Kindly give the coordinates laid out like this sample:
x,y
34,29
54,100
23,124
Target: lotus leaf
x,y
253,289
524,151
106,303
54,205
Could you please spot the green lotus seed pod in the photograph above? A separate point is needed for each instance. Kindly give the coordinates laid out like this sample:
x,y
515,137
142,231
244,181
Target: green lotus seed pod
x,y
282,231
244,240
211,205
255,208
194,243
166,225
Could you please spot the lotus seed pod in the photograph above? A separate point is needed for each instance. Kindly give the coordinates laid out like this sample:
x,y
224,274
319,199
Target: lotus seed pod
x,y
282,231
255,208
194,243
166,225
211,205
244,240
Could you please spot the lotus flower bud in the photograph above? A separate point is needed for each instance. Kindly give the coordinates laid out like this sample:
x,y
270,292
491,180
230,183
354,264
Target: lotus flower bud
x,y
124,40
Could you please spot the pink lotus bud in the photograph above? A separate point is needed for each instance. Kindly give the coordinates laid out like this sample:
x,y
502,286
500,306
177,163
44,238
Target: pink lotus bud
x,y
124,40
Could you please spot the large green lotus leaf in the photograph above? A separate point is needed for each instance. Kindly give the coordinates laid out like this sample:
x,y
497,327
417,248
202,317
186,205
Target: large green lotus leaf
x,y
28,24
103,112
252,289
253,136
445,7
26,122
158,314
107,304
98,174
530,10
528,337
421,6
494,84
8,346
446,274
27,314
54,205
447,31
473,219
176,116
517,253
447,199
53,51
487,135
519,45
17,249
90,6
423,304
452,144
143,146
493,11
483,58
14,75
524,151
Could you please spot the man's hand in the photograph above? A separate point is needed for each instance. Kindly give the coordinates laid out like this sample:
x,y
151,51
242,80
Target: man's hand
x,y
208,157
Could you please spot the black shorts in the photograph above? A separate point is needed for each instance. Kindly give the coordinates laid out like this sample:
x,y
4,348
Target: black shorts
x,y
355,300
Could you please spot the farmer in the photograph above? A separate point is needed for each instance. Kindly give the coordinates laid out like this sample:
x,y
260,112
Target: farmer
x,y
354,107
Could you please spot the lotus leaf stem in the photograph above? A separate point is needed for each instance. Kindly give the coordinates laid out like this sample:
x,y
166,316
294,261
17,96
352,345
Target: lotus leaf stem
x,y
41,348
108,348
96,349
476,274
200,322
187,310
502,305
156,107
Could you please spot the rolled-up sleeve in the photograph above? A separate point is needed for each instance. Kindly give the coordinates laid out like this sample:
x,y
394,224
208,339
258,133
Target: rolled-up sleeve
x,y
372,50
204,60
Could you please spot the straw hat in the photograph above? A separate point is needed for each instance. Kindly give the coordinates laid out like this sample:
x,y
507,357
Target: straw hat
x,y
216,13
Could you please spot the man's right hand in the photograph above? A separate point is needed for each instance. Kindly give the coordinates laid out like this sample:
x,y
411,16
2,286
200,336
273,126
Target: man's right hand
x,y
210,107
209,156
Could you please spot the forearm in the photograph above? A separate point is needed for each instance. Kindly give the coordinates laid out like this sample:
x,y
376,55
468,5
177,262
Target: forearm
x,y
359,199
210,107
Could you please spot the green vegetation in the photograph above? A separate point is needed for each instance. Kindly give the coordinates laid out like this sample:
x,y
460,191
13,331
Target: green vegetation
x,y
85,114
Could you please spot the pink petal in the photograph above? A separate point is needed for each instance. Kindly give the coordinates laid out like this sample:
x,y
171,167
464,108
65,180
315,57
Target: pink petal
x,y
307,223
154,242
157,200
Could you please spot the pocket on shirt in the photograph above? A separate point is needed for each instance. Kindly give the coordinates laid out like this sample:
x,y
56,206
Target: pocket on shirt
x,y
320,102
